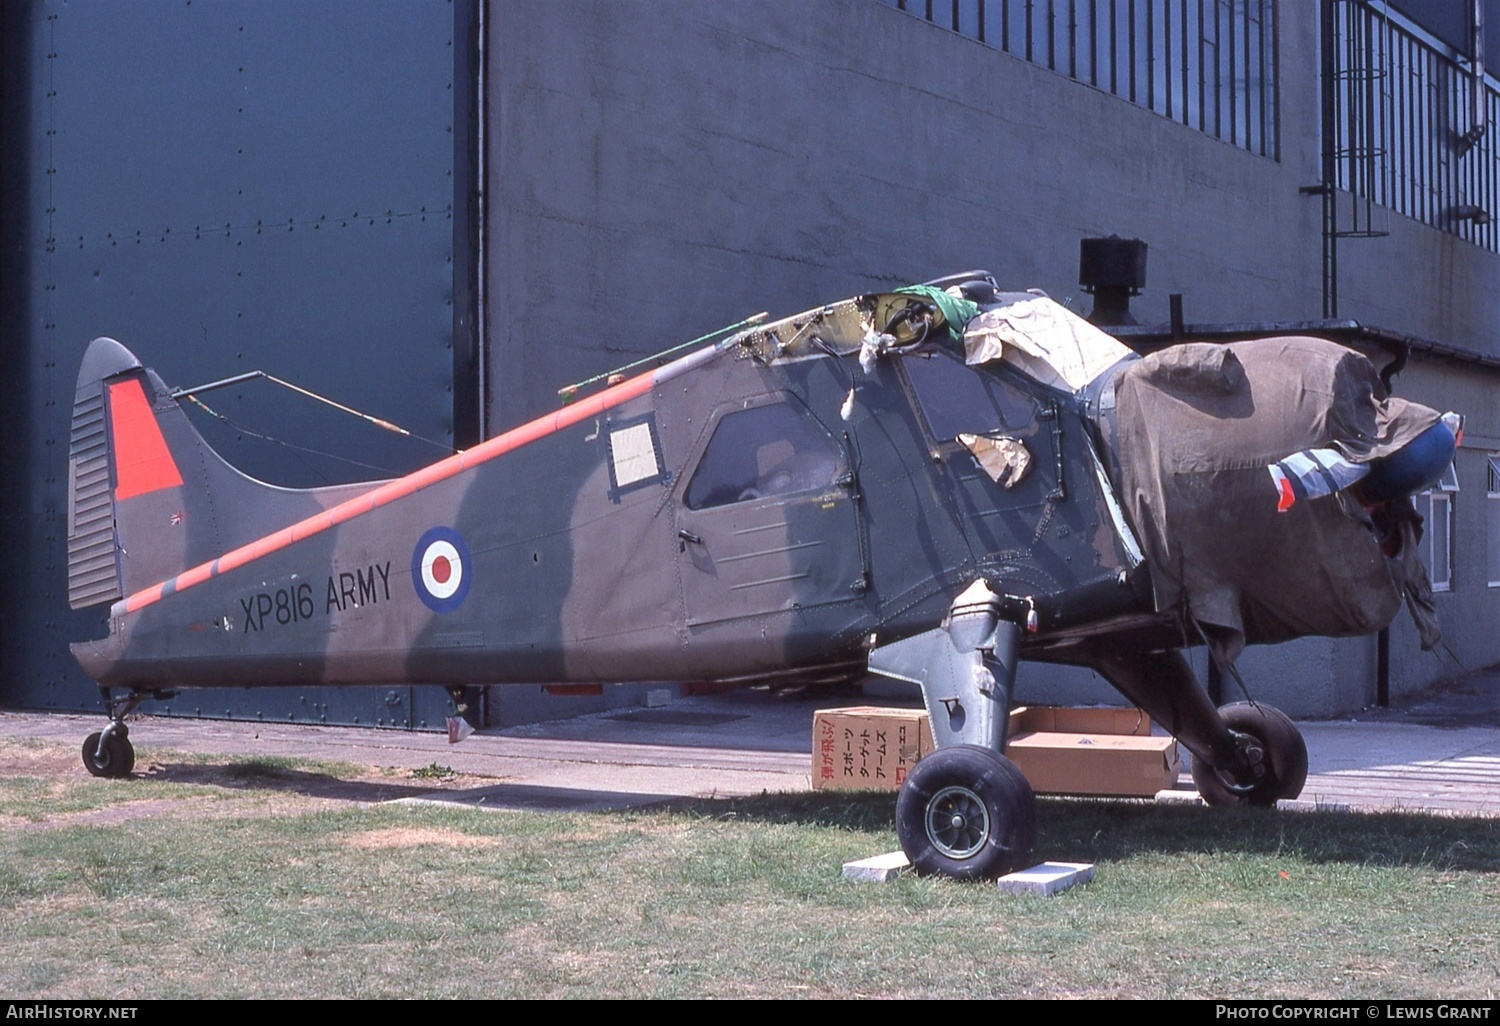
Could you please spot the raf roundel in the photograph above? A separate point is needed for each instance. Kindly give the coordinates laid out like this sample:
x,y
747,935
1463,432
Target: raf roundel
x,y
440,569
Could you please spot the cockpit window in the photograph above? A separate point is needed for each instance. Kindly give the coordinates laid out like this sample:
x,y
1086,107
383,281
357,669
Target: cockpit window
x,y
764,451
957,399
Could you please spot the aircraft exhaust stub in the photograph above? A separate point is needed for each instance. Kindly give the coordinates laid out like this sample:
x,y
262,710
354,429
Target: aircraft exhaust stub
x,y
933,483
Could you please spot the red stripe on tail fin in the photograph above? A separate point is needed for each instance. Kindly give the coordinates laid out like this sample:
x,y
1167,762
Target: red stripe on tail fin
x,y
143,463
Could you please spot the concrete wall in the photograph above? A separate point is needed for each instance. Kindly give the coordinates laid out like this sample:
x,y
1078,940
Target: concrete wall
x,y
657,170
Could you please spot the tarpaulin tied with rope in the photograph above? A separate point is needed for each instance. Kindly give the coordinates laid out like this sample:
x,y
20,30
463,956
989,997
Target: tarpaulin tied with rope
x,y
1198,425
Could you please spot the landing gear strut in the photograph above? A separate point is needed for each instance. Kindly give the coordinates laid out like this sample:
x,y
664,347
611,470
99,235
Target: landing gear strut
x,y
1273,763
965,811
1243,754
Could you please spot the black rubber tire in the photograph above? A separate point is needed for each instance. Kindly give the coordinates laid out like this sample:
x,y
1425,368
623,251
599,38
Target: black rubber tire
x,y
117,760
1285,758
967,813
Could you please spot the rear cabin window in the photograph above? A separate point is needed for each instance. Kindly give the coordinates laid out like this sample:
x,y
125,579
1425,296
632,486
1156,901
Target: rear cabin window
x,y
760,452
957,399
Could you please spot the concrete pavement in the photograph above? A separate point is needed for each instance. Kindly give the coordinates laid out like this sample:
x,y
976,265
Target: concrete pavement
x,y
1443,754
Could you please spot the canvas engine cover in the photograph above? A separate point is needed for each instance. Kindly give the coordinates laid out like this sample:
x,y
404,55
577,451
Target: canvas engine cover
x,y
1196,427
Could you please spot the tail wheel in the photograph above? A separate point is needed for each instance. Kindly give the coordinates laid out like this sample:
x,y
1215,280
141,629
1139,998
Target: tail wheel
x,y
968,813
1275,750
116,759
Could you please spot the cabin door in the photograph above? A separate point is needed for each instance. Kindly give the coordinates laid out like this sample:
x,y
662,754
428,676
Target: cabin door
x,y
766,519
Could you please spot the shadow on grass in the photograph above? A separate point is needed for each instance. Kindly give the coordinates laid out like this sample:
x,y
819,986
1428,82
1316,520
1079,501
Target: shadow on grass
x,y
1103,830
1070,829
268,775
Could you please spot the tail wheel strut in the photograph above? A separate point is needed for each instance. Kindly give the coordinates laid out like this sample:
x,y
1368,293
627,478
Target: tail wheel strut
x,y
108,752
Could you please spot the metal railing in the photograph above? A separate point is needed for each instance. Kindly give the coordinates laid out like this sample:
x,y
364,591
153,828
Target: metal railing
x,y
1411,126
1208,64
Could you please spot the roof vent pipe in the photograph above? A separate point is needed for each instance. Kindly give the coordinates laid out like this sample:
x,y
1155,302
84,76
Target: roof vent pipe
x,y
1112,270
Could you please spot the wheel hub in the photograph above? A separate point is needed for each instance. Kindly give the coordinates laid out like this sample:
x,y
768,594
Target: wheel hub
x,y
1250,770
957,822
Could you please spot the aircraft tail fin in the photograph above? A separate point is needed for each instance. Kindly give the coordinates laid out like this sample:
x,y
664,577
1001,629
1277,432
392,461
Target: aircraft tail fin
x,y
93,544
147,496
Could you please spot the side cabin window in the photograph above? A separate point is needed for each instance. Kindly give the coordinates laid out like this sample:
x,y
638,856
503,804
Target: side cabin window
x,y
764,451
957,399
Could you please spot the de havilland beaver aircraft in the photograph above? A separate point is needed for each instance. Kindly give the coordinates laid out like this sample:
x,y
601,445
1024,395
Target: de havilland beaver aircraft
x,y
931,484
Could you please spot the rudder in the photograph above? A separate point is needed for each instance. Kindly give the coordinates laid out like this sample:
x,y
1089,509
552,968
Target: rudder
x,y
93,544
147,496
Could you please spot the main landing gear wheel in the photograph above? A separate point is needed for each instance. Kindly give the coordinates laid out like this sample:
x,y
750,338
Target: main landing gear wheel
x,y
115,761
966,812
1276,753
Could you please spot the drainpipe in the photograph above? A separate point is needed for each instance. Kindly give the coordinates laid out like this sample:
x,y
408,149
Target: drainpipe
x,y
1477,119
1383,668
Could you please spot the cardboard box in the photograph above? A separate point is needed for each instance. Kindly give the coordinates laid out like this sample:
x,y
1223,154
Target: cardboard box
x,y
867,748
1063,719
1061,750
1122,765
1064,750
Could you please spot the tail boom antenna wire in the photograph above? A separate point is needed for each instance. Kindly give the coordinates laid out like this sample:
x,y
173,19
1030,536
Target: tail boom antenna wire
x,y
193,392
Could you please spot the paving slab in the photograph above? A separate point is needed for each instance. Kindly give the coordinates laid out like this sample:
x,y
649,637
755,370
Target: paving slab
x,y
877,868
1046,879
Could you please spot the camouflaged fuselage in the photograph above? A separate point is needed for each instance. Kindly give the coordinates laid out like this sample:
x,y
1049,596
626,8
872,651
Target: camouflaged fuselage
x,y
718,518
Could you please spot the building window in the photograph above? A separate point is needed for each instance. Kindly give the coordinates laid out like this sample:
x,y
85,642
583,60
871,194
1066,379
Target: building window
x,y
1436,507
1492,514
1208,64
1412,126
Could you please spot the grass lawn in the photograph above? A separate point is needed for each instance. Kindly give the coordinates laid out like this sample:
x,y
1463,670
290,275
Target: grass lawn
x,y
234,880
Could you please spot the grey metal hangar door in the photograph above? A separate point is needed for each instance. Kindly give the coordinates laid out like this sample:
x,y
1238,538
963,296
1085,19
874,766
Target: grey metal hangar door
x,y
261,184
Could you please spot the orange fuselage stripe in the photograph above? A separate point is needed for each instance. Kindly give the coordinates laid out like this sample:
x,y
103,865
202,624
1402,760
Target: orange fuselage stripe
x,y
397,489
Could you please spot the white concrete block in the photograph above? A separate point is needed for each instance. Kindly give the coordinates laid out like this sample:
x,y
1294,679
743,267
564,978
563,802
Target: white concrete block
x,y
658,697
878,869
1046,879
